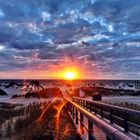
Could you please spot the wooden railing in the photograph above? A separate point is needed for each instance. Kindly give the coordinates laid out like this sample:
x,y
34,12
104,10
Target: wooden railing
x,y
127,119
117,123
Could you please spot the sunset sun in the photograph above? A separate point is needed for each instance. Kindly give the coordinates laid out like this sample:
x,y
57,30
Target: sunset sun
x,y
69,75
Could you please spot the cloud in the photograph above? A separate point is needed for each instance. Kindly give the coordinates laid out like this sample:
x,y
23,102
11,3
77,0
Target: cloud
x,y
99,36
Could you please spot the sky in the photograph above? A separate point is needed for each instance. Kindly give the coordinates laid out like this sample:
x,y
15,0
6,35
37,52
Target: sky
x,y
99,39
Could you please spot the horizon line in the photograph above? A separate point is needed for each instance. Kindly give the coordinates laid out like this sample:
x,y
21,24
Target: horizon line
x,y
61,79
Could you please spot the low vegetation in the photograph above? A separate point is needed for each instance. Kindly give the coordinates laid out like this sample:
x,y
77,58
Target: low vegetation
x,y
105,91
15,121
44,93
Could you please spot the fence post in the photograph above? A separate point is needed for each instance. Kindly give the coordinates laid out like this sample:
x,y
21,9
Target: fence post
x,y
73,112
126,129
95,109
81,119
81,123
111,116
87,105
90,107
82,103
76,116
90,130
101,112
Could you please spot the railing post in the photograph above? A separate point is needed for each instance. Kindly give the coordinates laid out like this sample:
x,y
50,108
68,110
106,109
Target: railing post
x,y
95,109
76,116
87,107
126,129
80,103
84,104
81,123
90,107
111,116
101,112
71,108
81,119
90,130
73,111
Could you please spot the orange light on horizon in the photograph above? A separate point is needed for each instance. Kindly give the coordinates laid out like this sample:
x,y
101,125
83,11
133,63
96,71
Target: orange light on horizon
x,y
70,75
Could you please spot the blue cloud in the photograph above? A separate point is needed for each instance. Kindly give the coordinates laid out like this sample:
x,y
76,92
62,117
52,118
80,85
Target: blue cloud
x,y
101,32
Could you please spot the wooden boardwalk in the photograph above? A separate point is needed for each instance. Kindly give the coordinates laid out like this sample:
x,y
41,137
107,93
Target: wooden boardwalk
x,y
54,126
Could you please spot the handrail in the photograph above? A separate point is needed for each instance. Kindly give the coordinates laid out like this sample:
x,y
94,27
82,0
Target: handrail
x,y
111,132
122,117
123,109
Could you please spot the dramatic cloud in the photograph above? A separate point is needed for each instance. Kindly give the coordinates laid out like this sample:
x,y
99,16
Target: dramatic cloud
x,y
100,38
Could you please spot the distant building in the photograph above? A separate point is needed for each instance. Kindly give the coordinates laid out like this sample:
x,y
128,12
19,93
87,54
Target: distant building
x,y
96,96
137,84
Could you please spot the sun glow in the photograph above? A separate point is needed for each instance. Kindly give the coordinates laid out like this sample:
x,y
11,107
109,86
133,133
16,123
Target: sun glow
x,y
70,75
